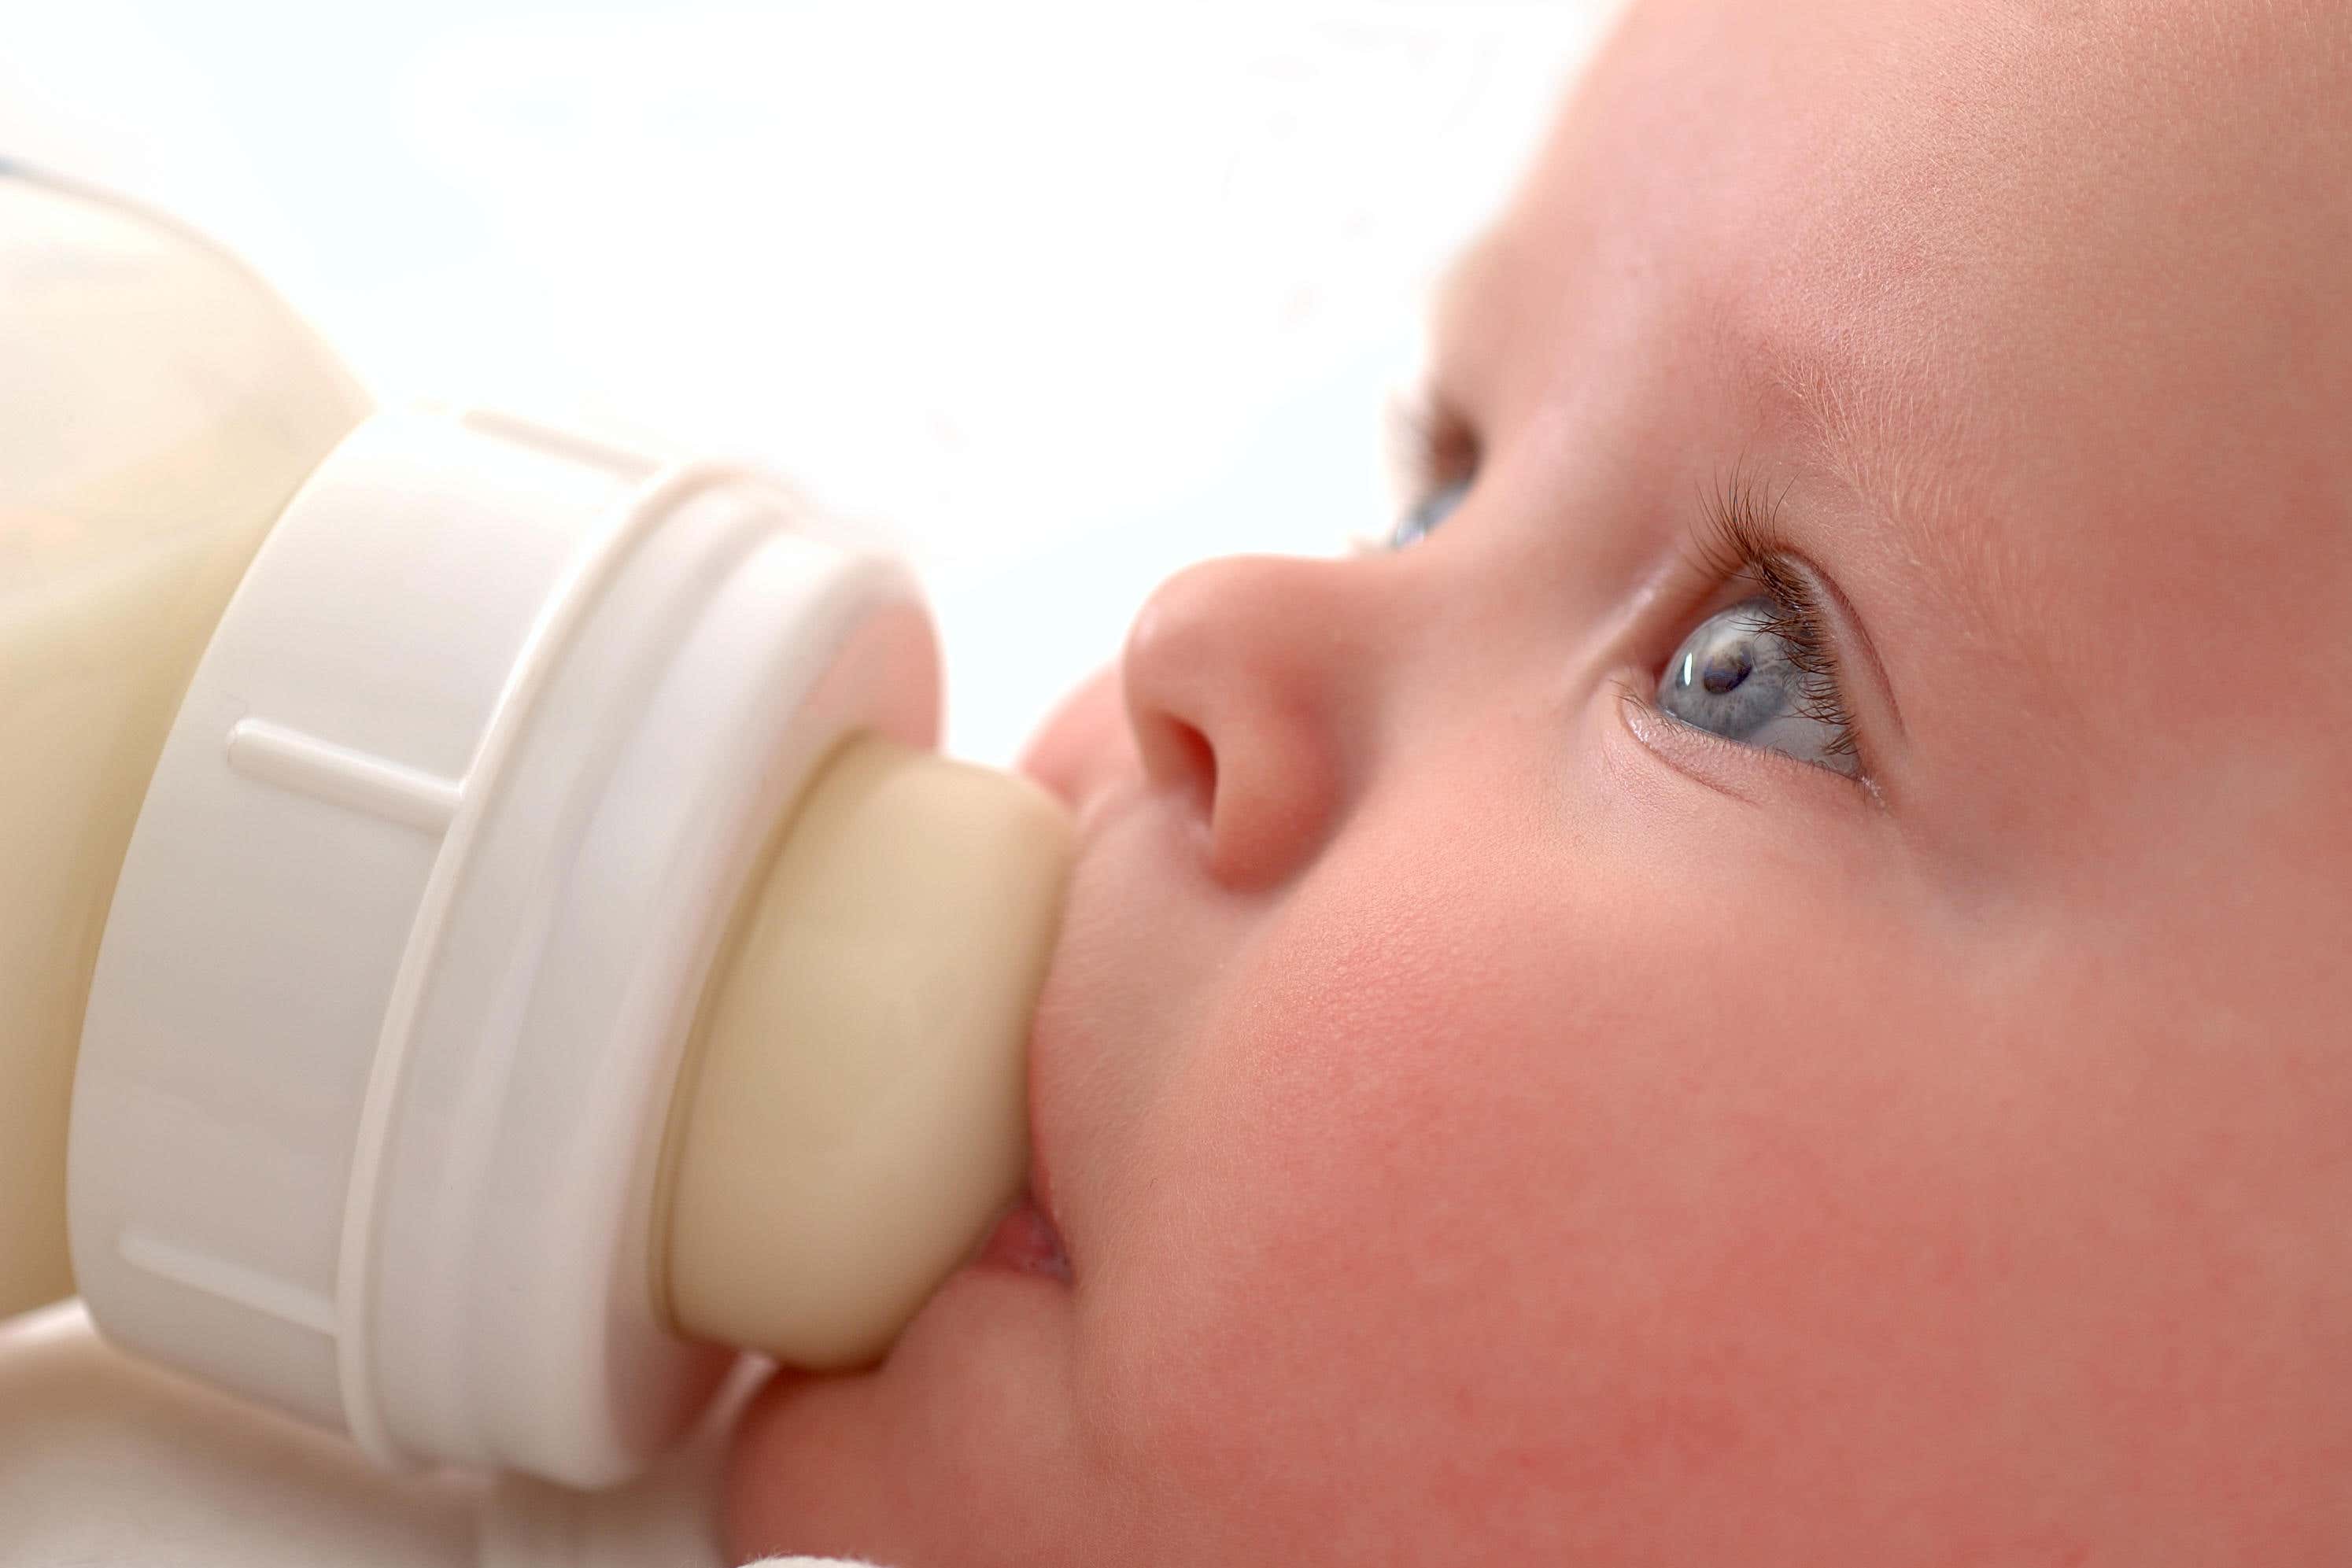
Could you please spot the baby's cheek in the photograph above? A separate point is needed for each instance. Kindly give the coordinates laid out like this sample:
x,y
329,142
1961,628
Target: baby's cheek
x,y
1472,1224
1335,1308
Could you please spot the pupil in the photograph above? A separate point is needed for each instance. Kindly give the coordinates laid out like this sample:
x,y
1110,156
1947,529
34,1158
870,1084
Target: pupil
x,y
1726,668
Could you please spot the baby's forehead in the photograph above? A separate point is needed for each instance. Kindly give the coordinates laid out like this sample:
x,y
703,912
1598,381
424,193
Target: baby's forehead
x,y
2045,316
2004,219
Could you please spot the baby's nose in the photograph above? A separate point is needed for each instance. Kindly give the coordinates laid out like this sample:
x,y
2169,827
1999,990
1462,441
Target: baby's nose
x,y
1246,679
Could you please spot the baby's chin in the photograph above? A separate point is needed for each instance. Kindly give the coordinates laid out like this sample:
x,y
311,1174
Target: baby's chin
x,y
959,1448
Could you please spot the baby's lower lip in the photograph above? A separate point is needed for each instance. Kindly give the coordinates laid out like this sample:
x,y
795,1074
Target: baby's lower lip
x,y
1025,1242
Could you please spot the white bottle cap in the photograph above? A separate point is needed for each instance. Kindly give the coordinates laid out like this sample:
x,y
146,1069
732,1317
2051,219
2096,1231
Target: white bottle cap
x,y
414,922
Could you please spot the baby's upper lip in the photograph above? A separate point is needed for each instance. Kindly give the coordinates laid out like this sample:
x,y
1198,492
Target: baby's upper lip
x,y
1051,1037
1043,1034
1086,756
1041,1168
1041,1180
1045,1047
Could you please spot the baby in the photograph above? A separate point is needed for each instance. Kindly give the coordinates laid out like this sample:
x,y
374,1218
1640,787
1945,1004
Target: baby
x,y
1767,988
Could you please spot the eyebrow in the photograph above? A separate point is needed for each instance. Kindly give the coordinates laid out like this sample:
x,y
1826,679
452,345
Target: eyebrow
x,y
1863,431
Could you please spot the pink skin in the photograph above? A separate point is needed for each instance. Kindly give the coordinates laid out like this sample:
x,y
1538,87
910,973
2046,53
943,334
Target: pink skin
x,y
1491,1123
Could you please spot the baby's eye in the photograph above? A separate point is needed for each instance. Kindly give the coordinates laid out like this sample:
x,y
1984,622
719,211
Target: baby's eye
x,y
1423,516
1736,676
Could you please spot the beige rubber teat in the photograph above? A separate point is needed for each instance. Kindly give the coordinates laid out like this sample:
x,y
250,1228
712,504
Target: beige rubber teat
x,y
853,1108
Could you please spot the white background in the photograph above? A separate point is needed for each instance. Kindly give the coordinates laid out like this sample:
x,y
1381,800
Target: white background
x,y
1053,299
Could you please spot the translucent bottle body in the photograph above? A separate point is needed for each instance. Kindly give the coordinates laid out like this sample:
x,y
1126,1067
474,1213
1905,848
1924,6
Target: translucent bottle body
x,y
160,403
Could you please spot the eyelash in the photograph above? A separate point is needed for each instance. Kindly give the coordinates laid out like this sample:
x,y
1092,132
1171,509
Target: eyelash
x,y
1431,445
1739,539
1427,446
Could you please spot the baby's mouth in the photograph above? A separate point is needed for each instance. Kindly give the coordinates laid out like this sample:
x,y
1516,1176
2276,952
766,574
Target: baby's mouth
x,y
1026,1242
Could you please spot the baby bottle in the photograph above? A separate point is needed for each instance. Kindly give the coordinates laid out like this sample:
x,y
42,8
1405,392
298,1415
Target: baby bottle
x,y
484,933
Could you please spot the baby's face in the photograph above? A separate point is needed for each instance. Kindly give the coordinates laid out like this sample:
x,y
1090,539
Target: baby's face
x,y
1899,1113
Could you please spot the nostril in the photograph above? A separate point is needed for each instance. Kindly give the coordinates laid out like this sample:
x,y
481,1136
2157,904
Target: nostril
x,y
1240,675
1189,762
